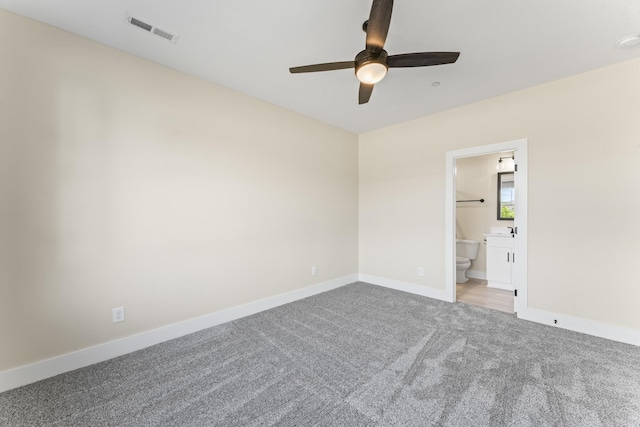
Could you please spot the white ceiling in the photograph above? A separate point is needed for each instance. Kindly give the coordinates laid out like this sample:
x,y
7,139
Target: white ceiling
x,y
249,45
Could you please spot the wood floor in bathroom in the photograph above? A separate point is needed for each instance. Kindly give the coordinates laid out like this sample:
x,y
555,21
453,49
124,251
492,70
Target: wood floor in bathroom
x,y
476,292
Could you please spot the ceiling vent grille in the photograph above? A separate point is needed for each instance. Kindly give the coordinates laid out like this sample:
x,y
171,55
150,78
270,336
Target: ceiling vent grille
x,y
152,29
163,34
140,24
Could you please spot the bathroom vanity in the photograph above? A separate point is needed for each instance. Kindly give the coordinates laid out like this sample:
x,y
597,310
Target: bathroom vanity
x,y
500,259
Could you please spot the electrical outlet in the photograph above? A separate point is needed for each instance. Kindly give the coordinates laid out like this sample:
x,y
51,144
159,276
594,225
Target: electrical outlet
x,y
314,270
420,271
118,314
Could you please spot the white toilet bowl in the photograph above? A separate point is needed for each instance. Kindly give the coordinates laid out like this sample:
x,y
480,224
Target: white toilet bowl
x,y
462,265
466,250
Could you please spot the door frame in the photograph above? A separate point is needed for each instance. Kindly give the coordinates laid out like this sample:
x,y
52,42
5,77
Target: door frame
x,y
519,147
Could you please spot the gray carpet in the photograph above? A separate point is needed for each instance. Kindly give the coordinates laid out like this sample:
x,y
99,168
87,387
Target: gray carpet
x,y
360,355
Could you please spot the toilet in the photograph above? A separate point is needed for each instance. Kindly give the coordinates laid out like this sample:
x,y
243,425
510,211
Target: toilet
x,y
466,250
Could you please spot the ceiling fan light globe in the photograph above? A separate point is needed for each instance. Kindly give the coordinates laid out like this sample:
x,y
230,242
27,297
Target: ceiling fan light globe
x,y
371,72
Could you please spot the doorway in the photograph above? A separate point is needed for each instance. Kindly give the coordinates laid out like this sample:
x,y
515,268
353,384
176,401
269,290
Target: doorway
x,y
519,224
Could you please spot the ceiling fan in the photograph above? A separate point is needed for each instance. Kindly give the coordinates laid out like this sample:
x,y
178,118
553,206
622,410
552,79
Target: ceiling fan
x,y
371,64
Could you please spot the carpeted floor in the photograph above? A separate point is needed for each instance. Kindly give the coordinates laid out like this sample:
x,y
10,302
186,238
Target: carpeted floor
x,y
360,355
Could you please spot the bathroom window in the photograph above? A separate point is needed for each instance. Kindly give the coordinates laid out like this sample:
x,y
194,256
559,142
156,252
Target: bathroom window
x,y
506,196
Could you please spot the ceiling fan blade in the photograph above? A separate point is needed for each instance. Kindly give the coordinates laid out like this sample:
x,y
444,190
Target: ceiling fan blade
x,y
329,66
365,93
378,24
422,59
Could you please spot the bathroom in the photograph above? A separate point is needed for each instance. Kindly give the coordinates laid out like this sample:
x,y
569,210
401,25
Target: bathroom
x,y
477,178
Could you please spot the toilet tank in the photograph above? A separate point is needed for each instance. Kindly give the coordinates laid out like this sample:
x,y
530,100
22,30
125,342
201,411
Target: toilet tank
x,y
467,248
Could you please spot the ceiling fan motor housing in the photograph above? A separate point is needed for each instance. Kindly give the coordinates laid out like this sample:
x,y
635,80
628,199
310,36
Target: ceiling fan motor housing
x,y
371,60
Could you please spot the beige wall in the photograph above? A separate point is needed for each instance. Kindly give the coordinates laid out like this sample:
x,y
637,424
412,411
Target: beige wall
x,y
126,183
477,178
584,175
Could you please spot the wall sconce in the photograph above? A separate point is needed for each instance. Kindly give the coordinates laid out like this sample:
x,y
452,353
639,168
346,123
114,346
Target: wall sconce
x,y
507,163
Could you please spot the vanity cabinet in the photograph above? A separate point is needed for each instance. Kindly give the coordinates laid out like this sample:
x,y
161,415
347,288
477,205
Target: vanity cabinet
x,y
500,259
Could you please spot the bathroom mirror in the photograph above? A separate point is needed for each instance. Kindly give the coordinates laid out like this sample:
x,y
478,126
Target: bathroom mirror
x,y
506,196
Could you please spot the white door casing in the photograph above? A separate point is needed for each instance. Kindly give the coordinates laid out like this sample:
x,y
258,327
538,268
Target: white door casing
x,y
519,147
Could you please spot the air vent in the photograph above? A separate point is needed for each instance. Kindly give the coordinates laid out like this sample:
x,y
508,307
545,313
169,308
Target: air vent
x,y
152,29
163,34
140,24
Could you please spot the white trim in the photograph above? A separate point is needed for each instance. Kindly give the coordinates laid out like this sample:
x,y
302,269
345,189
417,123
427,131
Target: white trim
x,y
585,326
576,324
475,274
520,266
28,374
450,228
409,287
520,270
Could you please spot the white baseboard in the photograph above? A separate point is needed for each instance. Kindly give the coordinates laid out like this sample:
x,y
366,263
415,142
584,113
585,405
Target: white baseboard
x,y
585,326
31,373
475,274
589,327
409,287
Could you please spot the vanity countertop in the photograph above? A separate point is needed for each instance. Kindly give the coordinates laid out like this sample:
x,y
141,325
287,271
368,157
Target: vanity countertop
x,y
498,235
